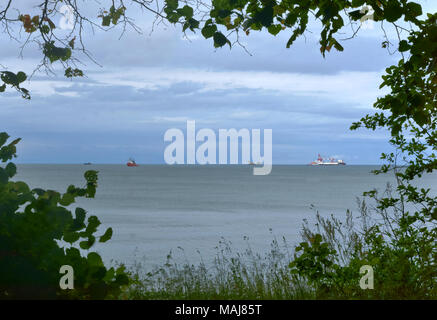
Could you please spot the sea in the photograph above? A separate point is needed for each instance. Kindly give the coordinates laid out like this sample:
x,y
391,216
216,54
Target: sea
x,y
188,210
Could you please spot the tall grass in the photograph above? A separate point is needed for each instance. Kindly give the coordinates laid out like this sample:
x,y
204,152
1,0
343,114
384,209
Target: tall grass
x,y
232,275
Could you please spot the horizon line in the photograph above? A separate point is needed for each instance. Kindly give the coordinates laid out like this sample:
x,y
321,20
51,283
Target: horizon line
x,y
181,164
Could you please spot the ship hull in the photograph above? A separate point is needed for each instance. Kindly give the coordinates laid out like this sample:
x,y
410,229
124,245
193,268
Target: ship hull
x,y
132,165
329,164
332,162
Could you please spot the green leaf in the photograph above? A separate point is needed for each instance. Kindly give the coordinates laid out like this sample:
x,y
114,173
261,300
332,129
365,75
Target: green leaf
x,y
84,245
404,46
293,38
115,16
421,118
3,176
45,29
291,18
10,169
224,13
414,9
121,280
39,191
208,31
70,73
109,275
393,11
54,53
9,78
87,244
194,24
106,236
265,16
24,93
274,29
94,259
106,21
220,40
67,199
67,54
21,77
21,187
358,3
93,223
356,15
71,237
3,138
173,17
172,4
186,11
434,214
80,215
338,46
91,176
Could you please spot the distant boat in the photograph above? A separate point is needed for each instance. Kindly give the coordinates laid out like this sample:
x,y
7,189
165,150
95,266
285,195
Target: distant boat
x,y
87,163
330,162
131,163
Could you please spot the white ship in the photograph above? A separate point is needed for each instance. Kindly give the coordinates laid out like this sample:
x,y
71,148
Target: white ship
x,y
329,162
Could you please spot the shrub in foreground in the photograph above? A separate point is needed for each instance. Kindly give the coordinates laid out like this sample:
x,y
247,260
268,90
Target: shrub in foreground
x,y
33,224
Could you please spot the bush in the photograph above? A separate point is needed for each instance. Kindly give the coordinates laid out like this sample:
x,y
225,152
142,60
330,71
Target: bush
x,y
232,275
32,225
401,251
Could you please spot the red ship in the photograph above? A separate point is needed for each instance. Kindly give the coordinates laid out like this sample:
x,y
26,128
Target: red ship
x,y
131,163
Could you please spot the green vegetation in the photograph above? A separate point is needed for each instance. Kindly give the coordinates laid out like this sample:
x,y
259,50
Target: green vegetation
x,y
32,222
401,246
402,255
232,275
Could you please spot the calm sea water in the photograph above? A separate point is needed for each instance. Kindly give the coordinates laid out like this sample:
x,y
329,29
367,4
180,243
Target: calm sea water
x,y
157,208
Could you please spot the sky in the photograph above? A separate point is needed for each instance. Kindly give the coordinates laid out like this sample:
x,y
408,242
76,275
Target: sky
x,y
145,84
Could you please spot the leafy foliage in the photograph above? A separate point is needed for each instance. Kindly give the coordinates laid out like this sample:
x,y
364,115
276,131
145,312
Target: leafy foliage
x,y
403,257
276,16
222,21
112,16
14,80
33,222
409,113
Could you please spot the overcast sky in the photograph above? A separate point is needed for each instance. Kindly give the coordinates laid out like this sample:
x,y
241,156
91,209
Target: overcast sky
x,y
149,83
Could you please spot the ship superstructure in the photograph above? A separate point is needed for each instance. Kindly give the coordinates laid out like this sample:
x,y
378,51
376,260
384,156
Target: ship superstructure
x,y
131,163
327,162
